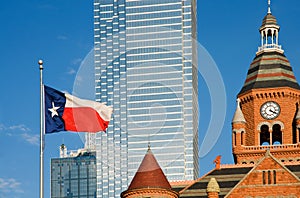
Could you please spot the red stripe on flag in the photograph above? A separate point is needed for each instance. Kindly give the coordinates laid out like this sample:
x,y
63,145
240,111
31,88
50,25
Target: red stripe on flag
x,y
83,119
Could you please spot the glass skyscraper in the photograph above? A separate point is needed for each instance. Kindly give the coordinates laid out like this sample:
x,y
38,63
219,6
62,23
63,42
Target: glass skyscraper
x,y
74,177
146,68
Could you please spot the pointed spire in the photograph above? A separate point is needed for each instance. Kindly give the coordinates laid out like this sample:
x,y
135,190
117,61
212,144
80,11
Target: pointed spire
x,y
269,6
149,174
149,180
269,31
270,66
238,115
213,185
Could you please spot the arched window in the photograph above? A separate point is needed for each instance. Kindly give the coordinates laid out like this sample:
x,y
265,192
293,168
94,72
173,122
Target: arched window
x,y
242,138
234,138
276,134
264,135
269,37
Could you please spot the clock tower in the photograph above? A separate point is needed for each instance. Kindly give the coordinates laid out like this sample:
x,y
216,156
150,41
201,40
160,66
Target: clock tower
x,y
267,116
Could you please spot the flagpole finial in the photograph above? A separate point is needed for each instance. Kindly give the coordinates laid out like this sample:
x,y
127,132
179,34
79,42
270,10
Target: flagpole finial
x,y
41,64
42,111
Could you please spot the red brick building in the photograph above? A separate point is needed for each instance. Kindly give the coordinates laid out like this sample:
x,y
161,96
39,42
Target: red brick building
x,y
265,134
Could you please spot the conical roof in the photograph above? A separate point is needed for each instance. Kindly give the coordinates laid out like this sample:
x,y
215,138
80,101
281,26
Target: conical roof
x,y
213,185
149,175
270,70
238,115
269,19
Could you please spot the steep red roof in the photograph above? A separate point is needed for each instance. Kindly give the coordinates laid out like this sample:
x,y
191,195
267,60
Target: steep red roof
x,y
149,174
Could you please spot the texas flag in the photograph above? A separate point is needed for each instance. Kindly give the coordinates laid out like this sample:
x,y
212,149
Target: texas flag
x,y
64,112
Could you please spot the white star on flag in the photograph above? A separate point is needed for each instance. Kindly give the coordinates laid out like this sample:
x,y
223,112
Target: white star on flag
x,y
53,110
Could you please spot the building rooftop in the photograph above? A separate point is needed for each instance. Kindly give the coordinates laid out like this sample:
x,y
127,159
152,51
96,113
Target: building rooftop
x,y
270,70
227,177
149,174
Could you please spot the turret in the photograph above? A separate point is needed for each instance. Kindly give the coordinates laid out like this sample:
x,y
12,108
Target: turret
x,y
213,188
269,31
238,126
149,181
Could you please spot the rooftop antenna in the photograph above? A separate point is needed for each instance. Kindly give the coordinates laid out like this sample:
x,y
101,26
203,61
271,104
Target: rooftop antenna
x,y
269,6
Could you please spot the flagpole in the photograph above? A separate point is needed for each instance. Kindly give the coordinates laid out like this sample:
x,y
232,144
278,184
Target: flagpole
x,y
41,131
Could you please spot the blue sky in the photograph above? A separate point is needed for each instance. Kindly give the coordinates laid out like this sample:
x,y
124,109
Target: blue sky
x,y
61,33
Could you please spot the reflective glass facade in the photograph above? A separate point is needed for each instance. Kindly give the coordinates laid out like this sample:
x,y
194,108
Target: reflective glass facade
x,y
146,68
74,177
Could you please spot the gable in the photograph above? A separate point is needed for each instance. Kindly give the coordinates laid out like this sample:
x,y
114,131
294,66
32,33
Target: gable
x,y
227,178
267,178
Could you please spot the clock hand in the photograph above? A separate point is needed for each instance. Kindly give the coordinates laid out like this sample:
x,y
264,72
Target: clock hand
x,y
272,111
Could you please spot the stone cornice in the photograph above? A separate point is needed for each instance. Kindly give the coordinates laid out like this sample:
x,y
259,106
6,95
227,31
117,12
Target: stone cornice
x,y
150,191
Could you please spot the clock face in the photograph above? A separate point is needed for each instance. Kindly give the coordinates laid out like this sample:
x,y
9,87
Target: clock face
x,y
270,110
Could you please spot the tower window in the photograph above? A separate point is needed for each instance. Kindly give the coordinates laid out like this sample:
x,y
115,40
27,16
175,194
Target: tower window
x,y
234,138
276,135
242,138
266,177
294,125
274,176
264,135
